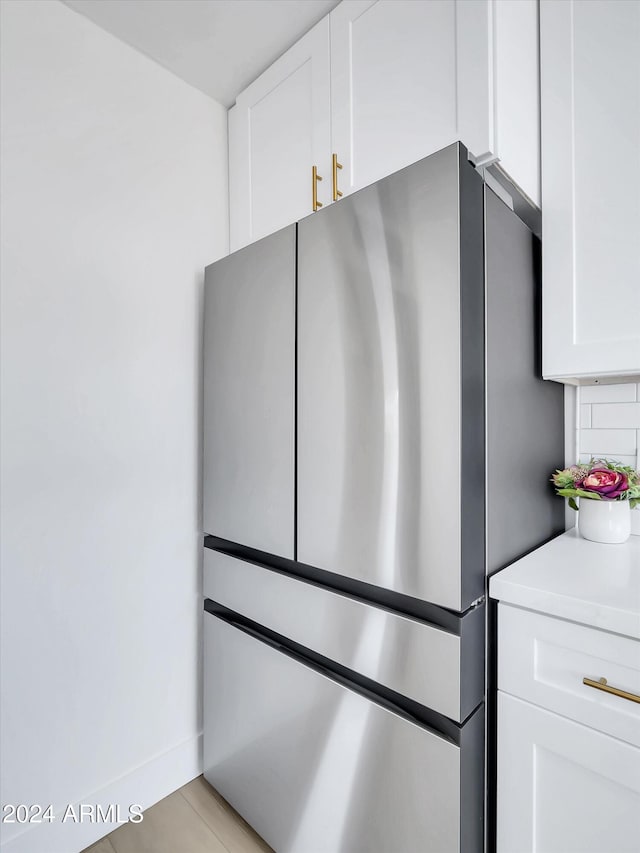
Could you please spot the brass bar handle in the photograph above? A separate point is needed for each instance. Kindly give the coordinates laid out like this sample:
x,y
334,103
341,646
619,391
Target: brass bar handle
x,y
601,684
335,165
315,177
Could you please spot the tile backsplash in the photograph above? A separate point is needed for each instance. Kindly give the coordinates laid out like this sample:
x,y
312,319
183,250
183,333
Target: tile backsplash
x,y
608,425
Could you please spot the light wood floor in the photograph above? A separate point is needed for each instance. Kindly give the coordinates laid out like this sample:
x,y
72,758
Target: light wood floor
x,y
194,819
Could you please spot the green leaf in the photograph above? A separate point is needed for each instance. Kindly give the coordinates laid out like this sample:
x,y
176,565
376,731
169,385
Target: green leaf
x,y
568,493
573,504
592,496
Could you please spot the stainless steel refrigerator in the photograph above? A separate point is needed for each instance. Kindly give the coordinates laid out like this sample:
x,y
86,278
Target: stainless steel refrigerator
x,y
377,440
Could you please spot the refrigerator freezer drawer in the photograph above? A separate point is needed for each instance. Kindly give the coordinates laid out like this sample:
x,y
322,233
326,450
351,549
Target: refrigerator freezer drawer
x,y
315,767
437,668
249,378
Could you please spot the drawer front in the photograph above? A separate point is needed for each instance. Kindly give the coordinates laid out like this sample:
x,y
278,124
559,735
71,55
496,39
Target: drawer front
x,y
436,668
314,766
544,660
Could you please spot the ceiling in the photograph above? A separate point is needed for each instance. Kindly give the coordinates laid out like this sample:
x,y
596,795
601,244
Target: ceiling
x,y
218,46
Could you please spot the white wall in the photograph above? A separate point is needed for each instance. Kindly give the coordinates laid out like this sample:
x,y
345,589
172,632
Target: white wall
x,y
608,426
114,198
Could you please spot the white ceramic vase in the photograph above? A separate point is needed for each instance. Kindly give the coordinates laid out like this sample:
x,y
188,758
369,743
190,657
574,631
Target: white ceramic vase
x,y
604,521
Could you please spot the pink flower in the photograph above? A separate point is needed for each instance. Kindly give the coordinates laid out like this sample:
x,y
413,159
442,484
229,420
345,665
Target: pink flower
x,y
604,482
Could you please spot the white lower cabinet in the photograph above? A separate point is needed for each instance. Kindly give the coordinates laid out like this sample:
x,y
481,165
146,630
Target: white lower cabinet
x,y
568,773
563,787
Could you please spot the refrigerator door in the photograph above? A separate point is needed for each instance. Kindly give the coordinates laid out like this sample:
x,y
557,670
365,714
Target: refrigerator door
x,y
249,388
390,385
442,669
314,766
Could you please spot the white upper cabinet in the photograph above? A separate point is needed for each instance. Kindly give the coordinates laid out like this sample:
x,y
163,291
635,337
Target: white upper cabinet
x,y
279,128
498,87
382,84
590,61
393,85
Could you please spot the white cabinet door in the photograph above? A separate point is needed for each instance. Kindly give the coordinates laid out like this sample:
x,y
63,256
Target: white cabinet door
x,y
498,87
278,129
563,787
590,64
393,85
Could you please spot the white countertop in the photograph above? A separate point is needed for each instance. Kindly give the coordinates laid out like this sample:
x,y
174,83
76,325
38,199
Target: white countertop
x,y
570,577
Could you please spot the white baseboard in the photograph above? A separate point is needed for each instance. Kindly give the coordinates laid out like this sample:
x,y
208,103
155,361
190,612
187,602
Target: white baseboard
x,y
143,786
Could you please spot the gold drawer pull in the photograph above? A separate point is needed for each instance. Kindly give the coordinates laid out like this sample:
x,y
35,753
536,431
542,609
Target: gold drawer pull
x,y
601,684
315,177
335,166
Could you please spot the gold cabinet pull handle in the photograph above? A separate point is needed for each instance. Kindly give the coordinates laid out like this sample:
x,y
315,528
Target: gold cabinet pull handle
x,y
601,684
315,177
336,192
